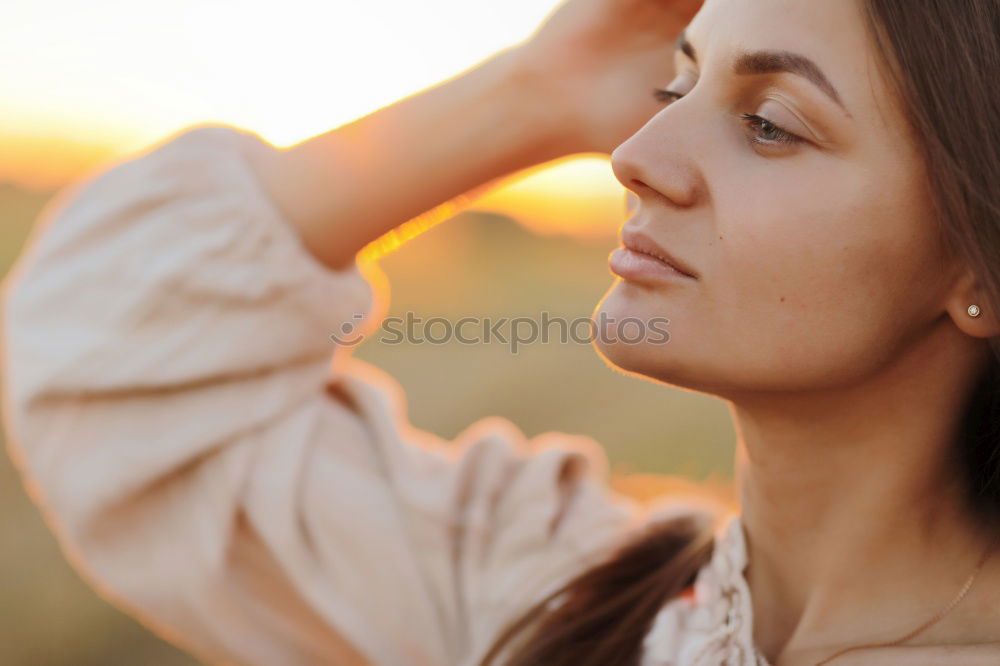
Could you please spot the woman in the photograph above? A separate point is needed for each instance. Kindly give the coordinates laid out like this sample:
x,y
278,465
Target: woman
x,y
823,178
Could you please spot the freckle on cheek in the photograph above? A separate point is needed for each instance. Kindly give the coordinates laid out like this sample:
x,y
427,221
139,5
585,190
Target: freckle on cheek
x,y
782,299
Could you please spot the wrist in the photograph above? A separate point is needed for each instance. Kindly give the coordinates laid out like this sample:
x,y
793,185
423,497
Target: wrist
x,y
529,95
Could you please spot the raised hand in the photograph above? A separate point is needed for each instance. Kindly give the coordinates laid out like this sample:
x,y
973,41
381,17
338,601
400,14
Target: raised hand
x,y
597,62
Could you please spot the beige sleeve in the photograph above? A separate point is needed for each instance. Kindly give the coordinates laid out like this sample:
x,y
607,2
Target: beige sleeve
x,y
215,465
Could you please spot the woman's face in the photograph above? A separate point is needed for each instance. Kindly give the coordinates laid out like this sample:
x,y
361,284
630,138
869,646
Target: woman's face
x,y
809,232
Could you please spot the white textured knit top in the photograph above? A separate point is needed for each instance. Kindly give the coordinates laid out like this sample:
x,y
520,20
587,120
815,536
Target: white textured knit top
x,y
214,465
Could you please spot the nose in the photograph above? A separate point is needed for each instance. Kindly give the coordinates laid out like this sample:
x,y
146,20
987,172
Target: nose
x,y
657,162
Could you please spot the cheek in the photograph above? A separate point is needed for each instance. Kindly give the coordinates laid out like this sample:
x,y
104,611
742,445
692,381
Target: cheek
x,y
814,273
821,279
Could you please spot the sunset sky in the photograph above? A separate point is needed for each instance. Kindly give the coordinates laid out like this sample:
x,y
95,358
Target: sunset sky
x,y
84,82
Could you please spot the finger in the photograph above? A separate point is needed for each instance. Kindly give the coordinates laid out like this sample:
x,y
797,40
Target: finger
x,y
681,11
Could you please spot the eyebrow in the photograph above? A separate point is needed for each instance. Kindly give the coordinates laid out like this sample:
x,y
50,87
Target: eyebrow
x,y
773,62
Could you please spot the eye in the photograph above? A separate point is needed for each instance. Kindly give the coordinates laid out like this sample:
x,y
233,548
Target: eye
x,y
766,133
666,96
680,86
761,132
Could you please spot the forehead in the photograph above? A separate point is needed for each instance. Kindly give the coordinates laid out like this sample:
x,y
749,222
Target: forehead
x,y
832,33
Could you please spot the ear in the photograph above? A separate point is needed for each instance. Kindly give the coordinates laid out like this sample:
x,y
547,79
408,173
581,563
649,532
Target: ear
x,y
969,291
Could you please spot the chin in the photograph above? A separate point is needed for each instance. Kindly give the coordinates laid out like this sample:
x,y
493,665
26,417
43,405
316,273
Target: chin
x,y
660,356
630,334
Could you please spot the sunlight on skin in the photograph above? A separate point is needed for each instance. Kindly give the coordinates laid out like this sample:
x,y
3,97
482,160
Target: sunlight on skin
x,y
96,82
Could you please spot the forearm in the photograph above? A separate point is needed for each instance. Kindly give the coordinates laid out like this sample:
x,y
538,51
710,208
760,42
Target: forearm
x,y
346,187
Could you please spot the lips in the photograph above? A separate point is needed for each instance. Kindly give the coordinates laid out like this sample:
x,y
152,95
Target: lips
x,y
638,241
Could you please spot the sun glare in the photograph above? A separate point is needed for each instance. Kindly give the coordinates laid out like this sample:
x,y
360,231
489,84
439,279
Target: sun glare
x,y
88,81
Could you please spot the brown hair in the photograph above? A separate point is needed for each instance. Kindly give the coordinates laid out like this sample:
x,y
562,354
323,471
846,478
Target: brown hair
x,y
943,59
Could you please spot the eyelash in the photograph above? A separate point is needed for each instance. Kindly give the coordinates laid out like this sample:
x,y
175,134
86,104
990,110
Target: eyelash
x,y
758,124
664,95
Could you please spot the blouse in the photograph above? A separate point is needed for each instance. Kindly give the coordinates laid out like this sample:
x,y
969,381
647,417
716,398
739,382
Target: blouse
x,y
214,465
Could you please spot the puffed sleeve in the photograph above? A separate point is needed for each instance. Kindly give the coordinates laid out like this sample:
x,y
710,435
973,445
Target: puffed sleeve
x,y
214,464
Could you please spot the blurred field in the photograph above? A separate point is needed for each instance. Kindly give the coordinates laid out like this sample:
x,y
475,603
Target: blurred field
x,y
491,266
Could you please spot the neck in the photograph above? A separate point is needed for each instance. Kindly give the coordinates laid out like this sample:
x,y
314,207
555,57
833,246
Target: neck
x,y
858,528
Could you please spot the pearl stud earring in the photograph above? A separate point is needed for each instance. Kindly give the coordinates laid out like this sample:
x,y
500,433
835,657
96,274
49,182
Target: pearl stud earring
x,y
974,311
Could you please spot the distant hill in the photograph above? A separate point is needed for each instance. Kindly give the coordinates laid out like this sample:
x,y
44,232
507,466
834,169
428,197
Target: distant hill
x,y
480,262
